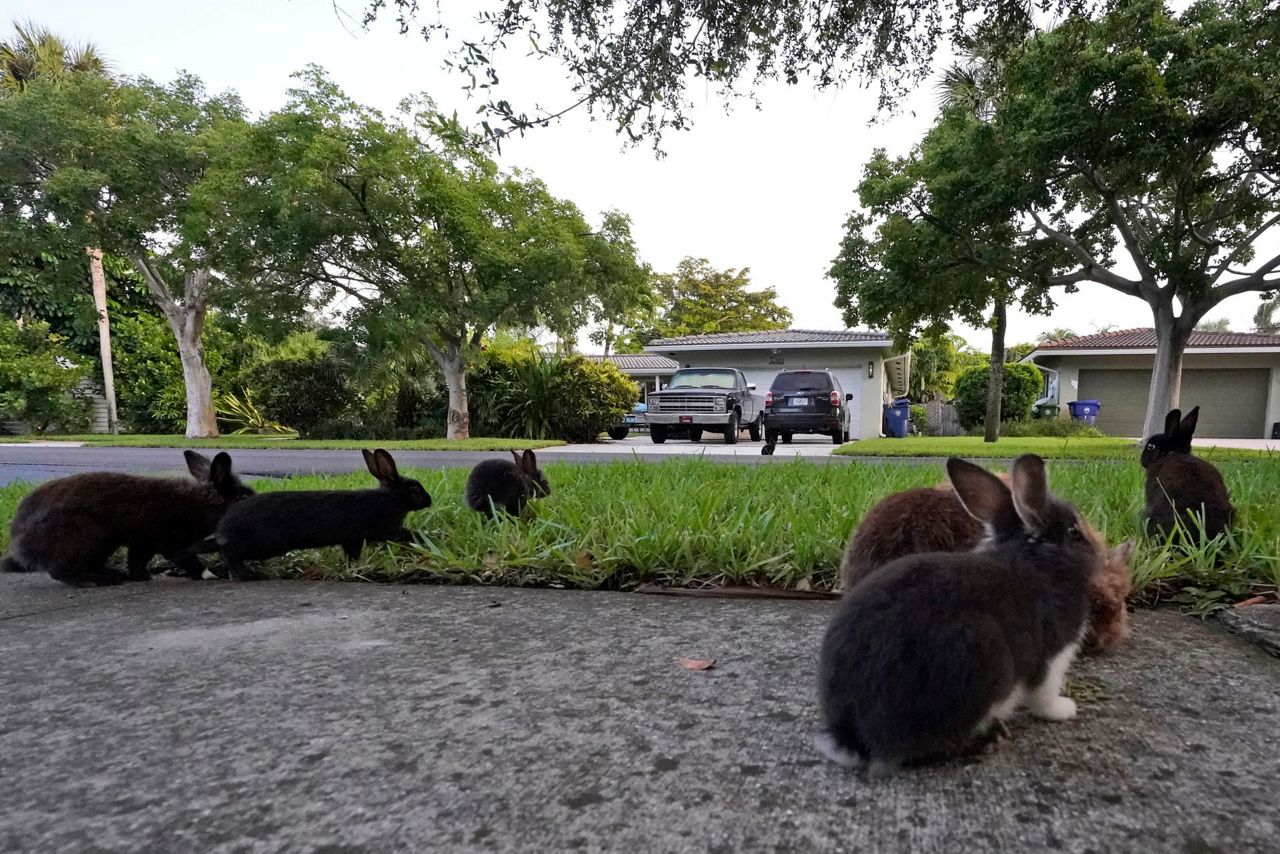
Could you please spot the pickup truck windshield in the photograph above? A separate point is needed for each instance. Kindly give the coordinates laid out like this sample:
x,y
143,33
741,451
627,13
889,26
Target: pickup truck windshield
x,y
696,378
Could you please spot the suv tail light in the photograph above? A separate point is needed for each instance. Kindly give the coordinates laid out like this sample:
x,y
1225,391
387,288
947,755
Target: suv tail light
x,y
768,399
835,398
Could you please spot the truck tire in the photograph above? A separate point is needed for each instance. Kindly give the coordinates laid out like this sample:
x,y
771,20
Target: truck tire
x,y
695,434
757,428
617,434
732,429
658,433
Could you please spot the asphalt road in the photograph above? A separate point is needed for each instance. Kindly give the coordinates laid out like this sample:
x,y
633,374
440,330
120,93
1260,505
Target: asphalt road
x,y
303,716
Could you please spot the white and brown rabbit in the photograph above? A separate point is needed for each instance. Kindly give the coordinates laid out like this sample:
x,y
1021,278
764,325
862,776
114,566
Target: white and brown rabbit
x,y
277,523
892,529
1180,487
506,485
71,527
926,655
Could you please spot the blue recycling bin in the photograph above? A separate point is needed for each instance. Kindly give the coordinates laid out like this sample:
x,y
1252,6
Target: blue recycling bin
x,y
896,417
1085,410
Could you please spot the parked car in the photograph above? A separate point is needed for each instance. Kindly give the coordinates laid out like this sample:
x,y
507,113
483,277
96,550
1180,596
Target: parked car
x,y
698,399
806,401
630,421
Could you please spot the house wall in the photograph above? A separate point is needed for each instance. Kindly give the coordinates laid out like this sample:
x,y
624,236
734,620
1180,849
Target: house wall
x,y
849,365
1068,368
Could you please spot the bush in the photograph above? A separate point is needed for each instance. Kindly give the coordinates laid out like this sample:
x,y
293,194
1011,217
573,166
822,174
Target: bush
x,y
920,417
590,398
348,429
40,378
301,392
1022,386
1056,427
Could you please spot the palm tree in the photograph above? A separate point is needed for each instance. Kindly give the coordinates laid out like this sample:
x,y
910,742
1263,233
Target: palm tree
x,y
36,53
1264,319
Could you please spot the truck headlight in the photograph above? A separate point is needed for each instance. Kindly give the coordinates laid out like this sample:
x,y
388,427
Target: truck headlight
x,y
719,404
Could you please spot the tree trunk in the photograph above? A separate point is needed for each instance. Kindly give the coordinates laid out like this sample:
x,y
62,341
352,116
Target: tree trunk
x,y
455,377
202,419
995,375
1166,375
99,280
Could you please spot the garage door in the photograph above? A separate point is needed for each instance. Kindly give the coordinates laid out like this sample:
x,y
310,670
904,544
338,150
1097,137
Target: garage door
x,y
1233,403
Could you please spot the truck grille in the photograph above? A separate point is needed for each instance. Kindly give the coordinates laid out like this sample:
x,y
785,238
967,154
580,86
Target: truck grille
x,y
684,403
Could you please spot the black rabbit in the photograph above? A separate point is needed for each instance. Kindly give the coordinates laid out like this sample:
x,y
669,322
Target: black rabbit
x,y
1181,484
277,523
508,486
933,651
71,527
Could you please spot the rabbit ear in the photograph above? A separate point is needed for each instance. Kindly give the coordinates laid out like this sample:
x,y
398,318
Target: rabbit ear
x,y
981,493
386,466
197,464
515,455
370,463
1030,491
1123,553
529,462
220,468
1188,426
1171,422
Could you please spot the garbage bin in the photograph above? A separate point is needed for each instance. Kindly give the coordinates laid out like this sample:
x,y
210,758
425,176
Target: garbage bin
x,y
1046,410
896,416
1085,410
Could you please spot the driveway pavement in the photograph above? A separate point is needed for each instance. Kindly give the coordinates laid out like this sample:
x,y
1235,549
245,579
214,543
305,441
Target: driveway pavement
x,y
182,716
710,446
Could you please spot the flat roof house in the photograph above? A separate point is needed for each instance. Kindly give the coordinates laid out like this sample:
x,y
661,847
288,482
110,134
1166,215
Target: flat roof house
x,y
1234,377
866,363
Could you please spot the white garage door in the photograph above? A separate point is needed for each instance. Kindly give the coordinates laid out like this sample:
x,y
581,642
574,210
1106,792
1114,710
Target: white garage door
x,y
1233,402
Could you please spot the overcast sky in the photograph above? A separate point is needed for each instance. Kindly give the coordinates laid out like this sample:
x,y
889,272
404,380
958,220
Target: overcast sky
x,y
767,189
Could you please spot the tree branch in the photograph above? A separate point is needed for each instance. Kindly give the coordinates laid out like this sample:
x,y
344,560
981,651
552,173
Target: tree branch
x,y
1090,270
1225,266
1260,279
1118,217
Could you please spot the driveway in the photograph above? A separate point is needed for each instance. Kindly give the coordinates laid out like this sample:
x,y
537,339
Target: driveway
x,y
278,716
710,446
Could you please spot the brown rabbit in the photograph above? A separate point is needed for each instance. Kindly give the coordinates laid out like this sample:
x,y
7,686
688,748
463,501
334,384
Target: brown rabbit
x,y
70,527
1180,486
933,520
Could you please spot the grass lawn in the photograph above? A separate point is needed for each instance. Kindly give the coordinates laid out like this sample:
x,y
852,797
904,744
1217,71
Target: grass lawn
x,y
1051,448
693,522
293,442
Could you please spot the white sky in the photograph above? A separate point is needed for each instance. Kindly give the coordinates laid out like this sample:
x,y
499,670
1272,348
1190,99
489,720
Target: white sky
x,y
766,189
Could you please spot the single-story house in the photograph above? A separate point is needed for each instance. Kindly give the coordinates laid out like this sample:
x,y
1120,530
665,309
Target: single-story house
x,y
1234,377
646,370
866,364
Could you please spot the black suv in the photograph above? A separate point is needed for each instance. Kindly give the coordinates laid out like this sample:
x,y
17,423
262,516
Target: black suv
x,y
803,401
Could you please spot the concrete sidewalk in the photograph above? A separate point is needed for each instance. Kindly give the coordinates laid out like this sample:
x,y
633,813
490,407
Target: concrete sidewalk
x,y
181,716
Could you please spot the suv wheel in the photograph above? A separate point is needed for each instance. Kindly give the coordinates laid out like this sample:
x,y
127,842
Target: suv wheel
x,y
695,434
838,436
732,429
658,433
757,428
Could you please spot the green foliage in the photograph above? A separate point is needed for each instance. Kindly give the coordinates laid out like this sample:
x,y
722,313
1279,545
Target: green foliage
x,y
1018,352
1051,427
698,299
593,396
39,378
936,360
920,418
241,416
301,392
1022,386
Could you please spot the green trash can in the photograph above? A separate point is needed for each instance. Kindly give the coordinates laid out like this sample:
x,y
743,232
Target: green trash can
x,y
1047,410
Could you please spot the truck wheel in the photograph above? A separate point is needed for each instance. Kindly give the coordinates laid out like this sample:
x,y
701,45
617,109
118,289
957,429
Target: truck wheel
x,y
786,438
658,433
757,427
732,429
695,434
618,433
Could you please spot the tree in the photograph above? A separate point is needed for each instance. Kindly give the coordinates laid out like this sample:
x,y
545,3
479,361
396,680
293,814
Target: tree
x,y
1222,324
1141,132
698,299
633,63
35,53
1017,352
132,155
411,223
1264,319
1056,334
935,360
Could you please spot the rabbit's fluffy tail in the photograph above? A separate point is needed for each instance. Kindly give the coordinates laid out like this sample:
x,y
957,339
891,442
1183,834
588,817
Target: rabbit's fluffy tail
x,y
9,563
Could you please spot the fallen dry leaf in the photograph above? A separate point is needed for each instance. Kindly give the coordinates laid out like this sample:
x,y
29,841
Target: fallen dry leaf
x,y
584,560
697,663
1255,600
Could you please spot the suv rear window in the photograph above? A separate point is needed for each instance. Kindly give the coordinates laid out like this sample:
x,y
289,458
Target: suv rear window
x,y
802,381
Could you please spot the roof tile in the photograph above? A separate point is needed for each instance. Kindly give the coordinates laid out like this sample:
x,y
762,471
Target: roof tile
x,y
776,336
1138,339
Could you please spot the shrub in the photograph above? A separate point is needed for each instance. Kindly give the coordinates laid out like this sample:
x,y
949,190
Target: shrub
x,y
349,429
1057,427
301,392
40,378
1022,386
920,417
590,398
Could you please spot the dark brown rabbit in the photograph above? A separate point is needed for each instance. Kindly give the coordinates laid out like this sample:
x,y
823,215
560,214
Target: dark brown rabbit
x,y
934,520
71,527
276,523
933,651
1180,487
508,486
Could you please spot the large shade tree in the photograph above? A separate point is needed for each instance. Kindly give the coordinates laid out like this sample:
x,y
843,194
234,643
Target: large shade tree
x,y
1138,152
132,156
406,222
